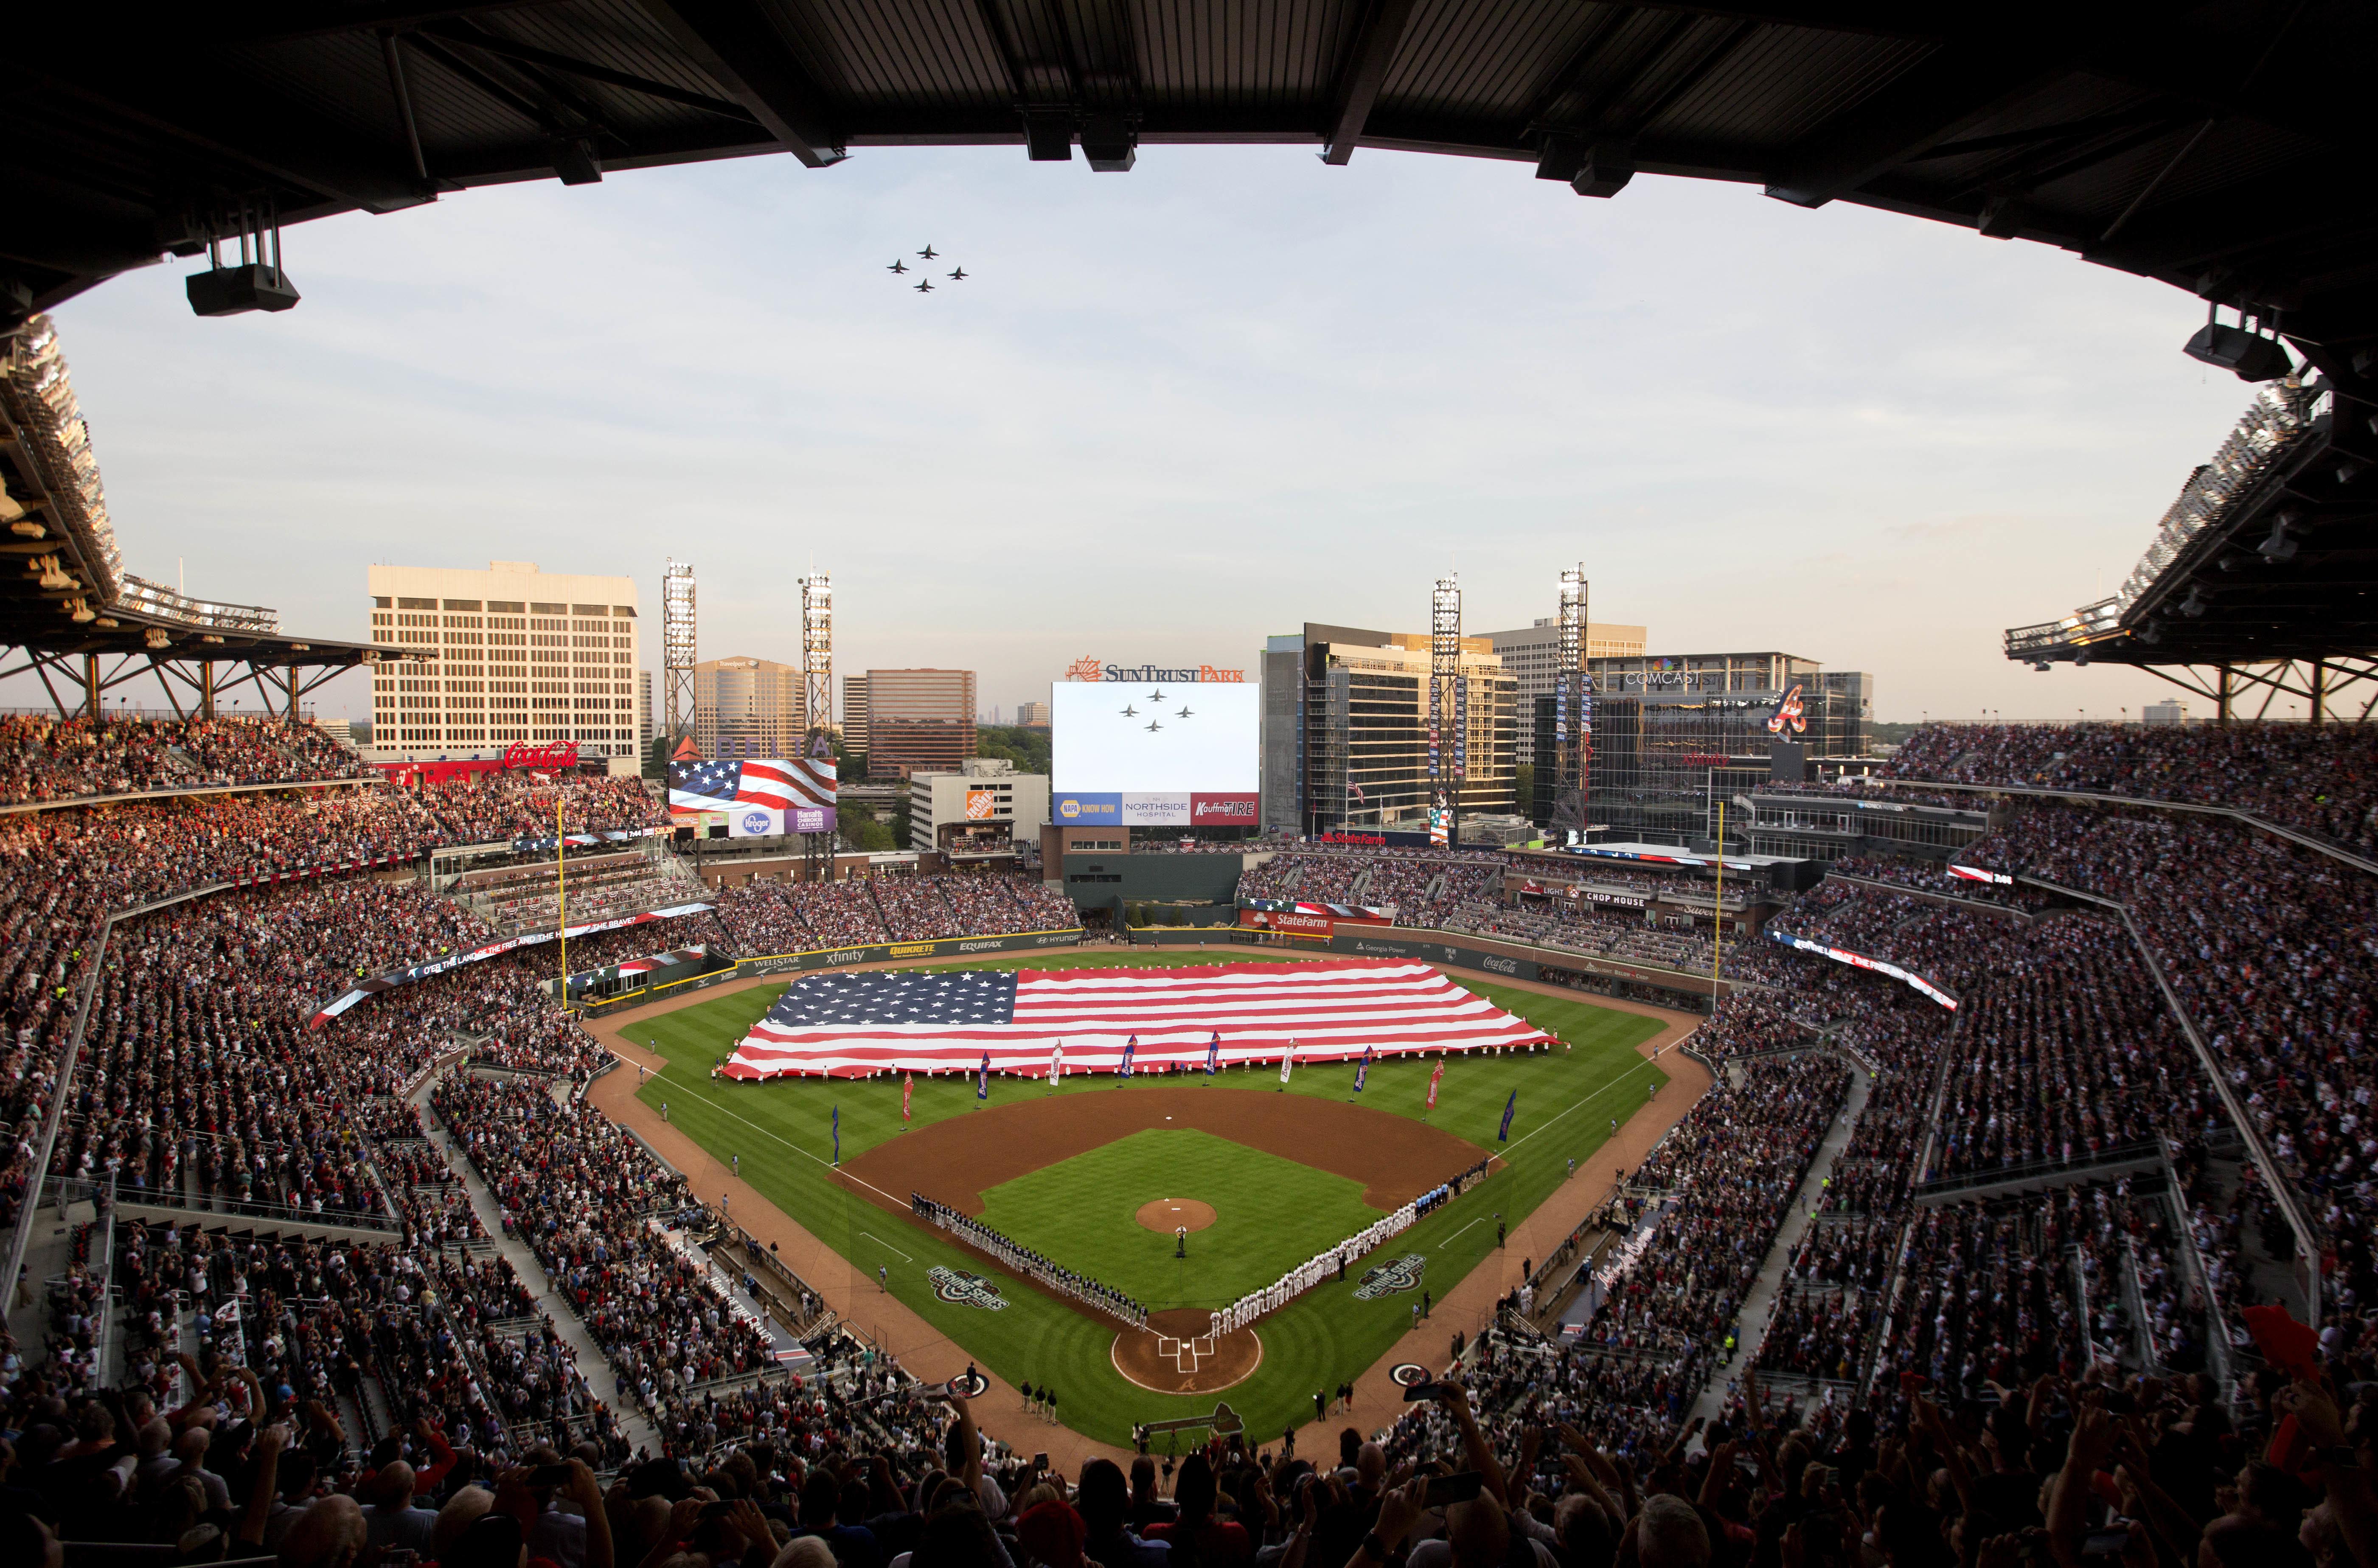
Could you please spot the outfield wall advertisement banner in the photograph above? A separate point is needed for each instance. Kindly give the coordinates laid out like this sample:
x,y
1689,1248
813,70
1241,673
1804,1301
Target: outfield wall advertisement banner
x,y
1355,941
1072,808
1182,808
881,952
1304,922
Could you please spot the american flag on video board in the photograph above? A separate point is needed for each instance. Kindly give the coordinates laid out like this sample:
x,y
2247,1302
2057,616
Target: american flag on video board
x,y
846,1026
776,783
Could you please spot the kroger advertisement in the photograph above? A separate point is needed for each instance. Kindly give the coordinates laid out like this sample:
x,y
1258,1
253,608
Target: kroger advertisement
x,y
1154,754
754,798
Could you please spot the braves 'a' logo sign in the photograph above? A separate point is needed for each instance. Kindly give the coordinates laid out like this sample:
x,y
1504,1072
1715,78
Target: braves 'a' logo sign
x,y
1387,1280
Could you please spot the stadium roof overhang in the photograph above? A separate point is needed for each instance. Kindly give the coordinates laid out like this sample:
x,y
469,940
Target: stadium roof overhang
x,y
2214,146
67,608
2268,556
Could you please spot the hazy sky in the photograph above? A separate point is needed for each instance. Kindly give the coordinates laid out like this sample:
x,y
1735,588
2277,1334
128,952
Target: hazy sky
x,y
1170,412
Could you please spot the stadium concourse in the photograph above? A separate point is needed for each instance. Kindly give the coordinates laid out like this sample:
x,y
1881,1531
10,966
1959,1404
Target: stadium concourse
x,y
312,1263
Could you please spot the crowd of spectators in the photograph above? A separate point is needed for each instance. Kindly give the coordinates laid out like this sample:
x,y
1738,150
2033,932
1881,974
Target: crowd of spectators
x,y
1714,1195
2318,779
45,759
771,914
2269,948
596,1206
2031,1316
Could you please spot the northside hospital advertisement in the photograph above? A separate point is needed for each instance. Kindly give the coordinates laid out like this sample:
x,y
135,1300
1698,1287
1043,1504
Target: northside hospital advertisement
x,y
1154,753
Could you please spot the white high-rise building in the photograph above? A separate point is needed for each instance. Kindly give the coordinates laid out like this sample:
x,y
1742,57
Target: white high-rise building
x,y
1532,655
522,656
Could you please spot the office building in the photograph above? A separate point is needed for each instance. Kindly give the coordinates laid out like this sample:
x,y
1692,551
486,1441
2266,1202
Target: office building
x,y
980,808
644,708
918,719
1345,731
1032,715
747,707
1678,735
522,656
854,714
2169,713
1531,657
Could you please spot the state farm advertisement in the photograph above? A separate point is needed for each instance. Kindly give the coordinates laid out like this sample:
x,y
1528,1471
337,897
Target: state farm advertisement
x,y
1297,924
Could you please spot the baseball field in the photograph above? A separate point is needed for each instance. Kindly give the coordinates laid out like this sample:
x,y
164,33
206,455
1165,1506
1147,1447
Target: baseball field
x,y
1101,1176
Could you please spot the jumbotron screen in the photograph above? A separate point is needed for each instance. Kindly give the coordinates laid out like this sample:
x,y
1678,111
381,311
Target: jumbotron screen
x,y
1154,754
754,798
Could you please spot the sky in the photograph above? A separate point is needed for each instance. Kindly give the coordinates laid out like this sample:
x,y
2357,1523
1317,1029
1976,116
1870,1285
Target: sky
x,y
1172,411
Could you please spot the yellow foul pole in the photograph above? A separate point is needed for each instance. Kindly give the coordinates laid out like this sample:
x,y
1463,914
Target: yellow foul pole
x,y
1717,964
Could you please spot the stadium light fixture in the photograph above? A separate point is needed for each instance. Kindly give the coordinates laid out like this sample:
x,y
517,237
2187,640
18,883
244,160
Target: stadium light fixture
x,y
253,283
1111,142
1608,165
1049,133
2281,547
2248,355
574,161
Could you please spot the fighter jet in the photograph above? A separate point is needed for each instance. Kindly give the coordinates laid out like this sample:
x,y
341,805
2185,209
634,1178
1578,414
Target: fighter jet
x,y
1153,726
925,286
927,253
897,265
958,275
1184,712
1129,712
1156,697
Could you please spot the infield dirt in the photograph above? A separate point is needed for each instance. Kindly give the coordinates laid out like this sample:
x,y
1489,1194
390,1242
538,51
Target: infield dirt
x,y
954,1161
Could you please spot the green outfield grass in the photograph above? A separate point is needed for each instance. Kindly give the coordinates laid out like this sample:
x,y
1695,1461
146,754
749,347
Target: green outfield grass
x,y
1270,1215
1566,1102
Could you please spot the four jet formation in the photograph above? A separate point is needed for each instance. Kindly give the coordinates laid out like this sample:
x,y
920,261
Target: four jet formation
x,y
925,285
1129,712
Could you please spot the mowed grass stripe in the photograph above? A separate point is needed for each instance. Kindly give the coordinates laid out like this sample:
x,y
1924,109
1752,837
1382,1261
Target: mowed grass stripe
x,y
781,1129
1269,1215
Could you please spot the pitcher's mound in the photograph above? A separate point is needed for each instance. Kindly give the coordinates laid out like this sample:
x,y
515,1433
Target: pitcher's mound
x,y
1175,1355
1168,1215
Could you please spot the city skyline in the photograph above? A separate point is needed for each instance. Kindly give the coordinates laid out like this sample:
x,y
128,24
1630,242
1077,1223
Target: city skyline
x,y
1871,440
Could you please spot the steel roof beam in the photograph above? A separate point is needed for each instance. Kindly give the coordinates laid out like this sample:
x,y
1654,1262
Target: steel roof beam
x,y
1366,72
463,33
743,55
1947,93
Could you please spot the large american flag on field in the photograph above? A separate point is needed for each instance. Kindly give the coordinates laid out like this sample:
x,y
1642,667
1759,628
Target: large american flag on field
x,y
850,1025
776,784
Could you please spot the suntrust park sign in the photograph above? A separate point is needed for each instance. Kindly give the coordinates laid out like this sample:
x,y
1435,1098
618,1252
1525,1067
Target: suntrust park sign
x,y
1089,668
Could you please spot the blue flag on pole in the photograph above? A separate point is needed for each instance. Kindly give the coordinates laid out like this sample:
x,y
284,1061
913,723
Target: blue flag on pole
x,y
982,1078
1213,1052
1510,1106
1362,1070
837,1134
1129,1048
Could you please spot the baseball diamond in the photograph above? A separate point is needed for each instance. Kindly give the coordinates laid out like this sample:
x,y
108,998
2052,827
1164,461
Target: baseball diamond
x,y
1078,1181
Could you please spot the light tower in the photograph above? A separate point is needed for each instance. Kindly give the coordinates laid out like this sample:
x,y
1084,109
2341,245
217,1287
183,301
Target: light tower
x,y
1572,710
1449,709
817,659
817,704
677,650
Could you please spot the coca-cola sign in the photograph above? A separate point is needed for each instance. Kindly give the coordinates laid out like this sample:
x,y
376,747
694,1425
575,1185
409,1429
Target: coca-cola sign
x,y
559,756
